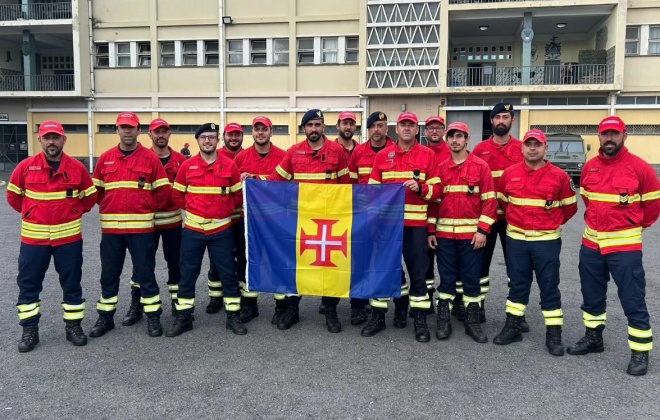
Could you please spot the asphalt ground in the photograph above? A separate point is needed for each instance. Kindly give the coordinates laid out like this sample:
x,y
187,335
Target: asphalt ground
x,y
306,372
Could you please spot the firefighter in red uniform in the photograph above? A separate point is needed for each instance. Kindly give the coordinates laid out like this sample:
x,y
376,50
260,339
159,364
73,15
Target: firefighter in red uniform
x,y
167,221
316,160
414,166
233,145
458,226
537,198
258,161
500,151
208,187
622,195
51,191
132,186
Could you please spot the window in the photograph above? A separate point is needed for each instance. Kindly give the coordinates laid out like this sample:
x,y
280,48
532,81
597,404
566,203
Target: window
x,y
281,51
189,53
654,40
102,55
352,49
211,53
235,52
144,54
122,54
167,54
257,51
329,50
305,50
632,40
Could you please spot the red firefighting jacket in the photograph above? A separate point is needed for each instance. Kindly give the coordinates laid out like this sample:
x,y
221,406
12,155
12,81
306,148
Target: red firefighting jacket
x,y
536,202
170,216
394,165
499,158
622,195
301,164
250,161
51,203
228,153
348,152
468,202
209,193
131,189
442,151
362,159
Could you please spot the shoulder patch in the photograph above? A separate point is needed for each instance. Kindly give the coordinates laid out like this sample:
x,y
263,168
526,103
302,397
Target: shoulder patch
x,y
572,184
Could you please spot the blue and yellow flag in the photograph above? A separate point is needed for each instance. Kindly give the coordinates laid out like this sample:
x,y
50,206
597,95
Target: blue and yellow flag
x,y
324,240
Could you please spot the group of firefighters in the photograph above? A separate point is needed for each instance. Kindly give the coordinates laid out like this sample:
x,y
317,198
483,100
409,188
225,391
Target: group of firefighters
x,y
457,204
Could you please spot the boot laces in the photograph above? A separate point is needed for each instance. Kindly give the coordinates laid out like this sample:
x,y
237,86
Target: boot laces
x,y
373,321
638,356
29,333
553,336
420,320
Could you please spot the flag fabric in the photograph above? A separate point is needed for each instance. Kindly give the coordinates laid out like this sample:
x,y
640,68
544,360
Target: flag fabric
x,y
324,240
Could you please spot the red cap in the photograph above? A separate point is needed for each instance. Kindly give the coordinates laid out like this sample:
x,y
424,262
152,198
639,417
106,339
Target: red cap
x,y
460,126
407,116
435,118
261,120
232,127
128,118
186,144
157,123
612,123
347,115
50,126
535,134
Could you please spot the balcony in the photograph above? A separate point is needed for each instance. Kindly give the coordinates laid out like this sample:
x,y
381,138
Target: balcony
x,y
567,74
37,83
35,11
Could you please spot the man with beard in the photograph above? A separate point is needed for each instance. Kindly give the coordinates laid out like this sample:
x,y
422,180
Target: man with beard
x,y
208,187
458,226
167,221
622,195
51,191
537,198
316,160
258,161
132,186
500,151
346,126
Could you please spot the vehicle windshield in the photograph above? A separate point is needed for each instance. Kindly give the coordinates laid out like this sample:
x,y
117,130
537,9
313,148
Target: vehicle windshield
x,y
565,147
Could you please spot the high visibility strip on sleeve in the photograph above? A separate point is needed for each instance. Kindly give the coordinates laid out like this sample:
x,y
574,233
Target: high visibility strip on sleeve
x,y
353,175
89,191
159,183
501,196
568,201
485,219
373,181
13,188
342,172
434,180
236,187
283,173
488,195
179,187
98,183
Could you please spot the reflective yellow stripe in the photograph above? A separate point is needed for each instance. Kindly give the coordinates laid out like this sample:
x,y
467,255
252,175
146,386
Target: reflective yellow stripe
x,y
283,173
640,346
420,302
593,321
515,232
149,301
201,223
608,239
414,216
232,304
73,312
379,303
342,172
531,202
640,333
166,214
433,181
570,200
496,174
24,307
13,188
468,300
458,222
97,182
485,219
107,305
317,176
501,196
167,220
89,191
455,229
128,216
179,187
159,183
133,185
517,309
236,187
488,195
118,224
416,207
429,194
48,196
651,195
432,220
373,181
52,232
364,171
400,175
609,198
554,317
353,175
209,190
460,189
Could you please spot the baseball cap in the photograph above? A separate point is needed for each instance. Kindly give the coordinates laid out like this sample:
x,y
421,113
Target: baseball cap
x,y
347,115
50,126
128,118
436,119
157,123
535,134
232,127
611,123
262,120
407,116
460,126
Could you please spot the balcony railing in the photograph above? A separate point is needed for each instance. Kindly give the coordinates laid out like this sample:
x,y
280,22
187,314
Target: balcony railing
x,y
574,74
49,83
35,11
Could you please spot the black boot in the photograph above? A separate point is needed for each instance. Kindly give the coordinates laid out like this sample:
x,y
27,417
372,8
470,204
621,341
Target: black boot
x,y
358,316
280,307
249,309
75,334
431,310
331,320
322,308
553,340
29,339
375,325
459,308
182,323
154,328
289,318
482,312
472,325
422,334
443,328
400,320
134,313
174,311
511,332
234,323
524,326
592,342
215,305
639,363
102,326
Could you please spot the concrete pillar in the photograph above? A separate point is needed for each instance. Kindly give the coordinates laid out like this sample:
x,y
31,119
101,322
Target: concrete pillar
x,y
29,60
526,51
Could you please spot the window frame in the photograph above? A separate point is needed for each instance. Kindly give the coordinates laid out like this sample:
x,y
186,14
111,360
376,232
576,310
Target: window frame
x,y
98,55
237,53
325,51
355,50
655,41
142,55
209,54
300,52
261,53
119,55
167,54
281,53
636,40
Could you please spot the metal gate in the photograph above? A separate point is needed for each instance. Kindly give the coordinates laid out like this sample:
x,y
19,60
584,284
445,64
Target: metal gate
x,y
13,145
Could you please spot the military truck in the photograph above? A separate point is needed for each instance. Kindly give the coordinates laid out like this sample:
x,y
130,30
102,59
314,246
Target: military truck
x,y
567,152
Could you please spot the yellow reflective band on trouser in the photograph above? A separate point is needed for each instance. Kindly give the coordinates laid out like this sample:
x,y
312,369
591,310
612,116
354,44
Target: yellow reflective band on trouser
x,y
404,289
215,289
459,287
134,284
107,304
640,340
28,310
484,283
517,309
184,304
173,289
73,312
593,321
448,298
379,303
246,293
151,304
420,302
279,296
232,304
430,284
554,317
469,299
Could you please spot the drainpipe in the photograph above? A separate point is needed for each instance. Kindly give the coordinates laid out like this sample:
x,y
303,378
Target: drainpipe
x,y
364,102
613,102
221,63
90,100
